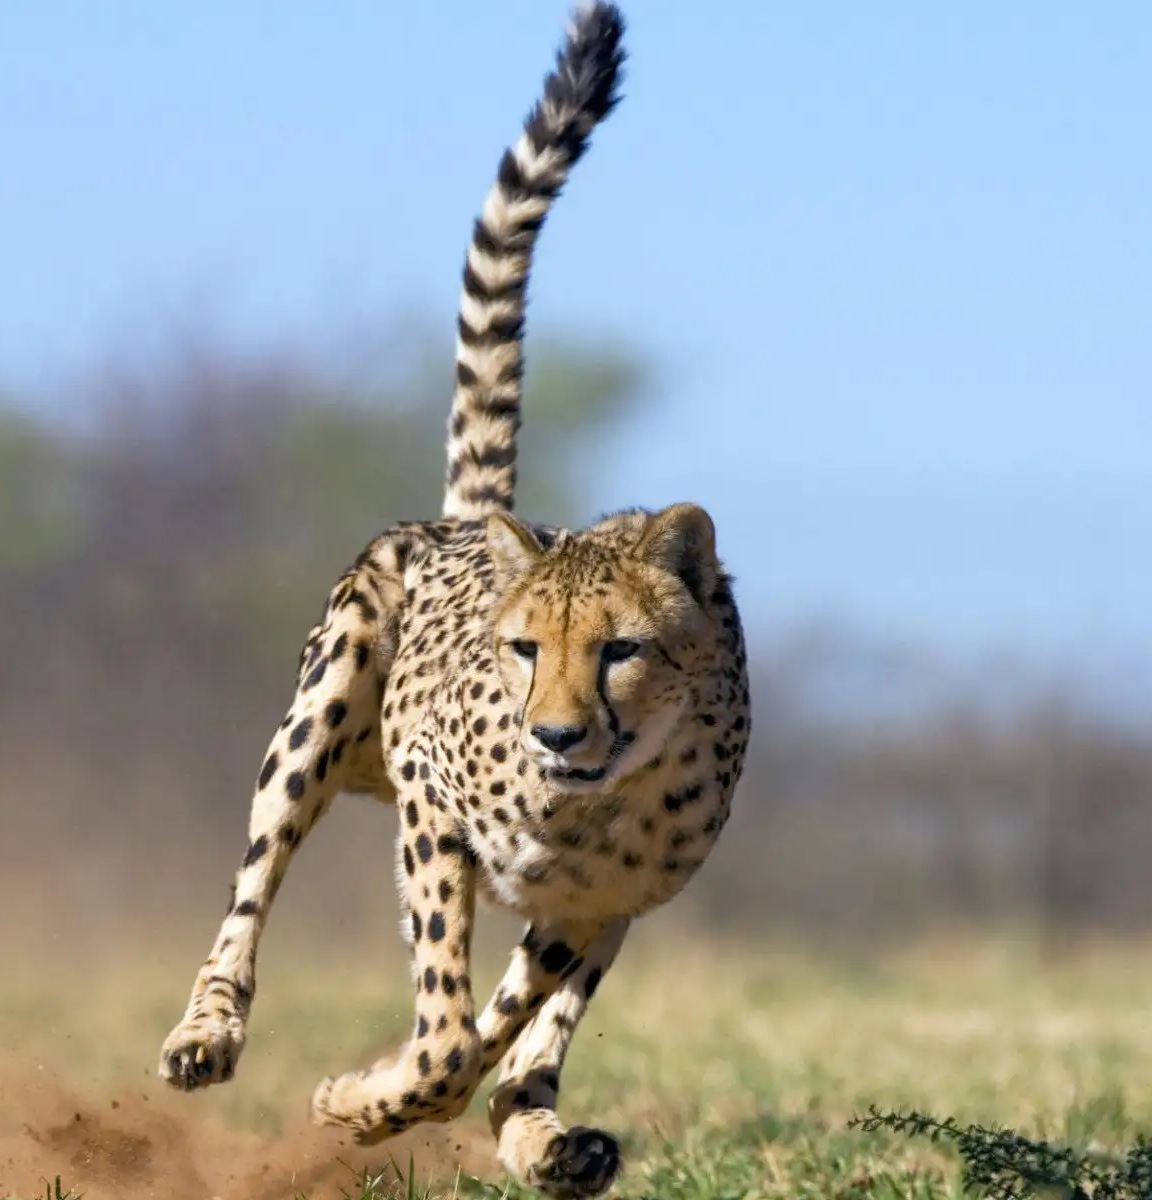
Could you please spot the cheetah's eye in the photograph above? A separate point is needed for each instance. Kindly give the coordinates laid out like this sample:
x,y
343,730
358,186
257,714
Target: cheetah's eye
x,y
523,649
620,650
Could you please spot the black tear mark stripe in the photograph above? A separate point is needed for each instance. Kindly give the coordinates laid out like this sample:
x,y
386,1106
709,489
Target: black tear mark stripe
x,y
531,688
602,692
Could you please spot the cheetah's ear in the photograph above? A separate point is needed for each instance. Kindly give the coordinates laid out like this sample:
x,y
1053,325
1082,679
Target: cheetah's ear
x,y
512,546
681,539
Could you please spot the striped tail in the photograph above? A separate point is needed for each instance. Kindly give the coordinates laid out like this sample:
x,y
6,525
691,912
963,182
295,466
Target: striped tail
x,y
579,93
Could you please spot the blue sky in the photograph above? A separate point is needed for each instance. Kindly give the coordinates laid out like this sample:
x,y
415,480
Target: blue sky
x,y
894,261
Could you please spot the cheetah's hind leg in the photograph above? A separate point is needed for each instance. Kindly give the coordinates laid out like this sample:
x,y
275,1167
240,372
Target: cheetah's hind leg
x,y
328,742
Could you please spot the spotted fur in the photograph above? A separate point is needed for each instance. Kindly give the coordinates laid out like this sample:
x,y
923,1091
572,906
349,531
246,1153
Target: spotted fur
x,y
560,717
485,416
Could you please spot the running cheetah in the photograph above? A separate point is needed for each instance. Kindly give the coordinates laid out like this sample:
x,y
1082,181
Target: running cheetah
x,y
560,717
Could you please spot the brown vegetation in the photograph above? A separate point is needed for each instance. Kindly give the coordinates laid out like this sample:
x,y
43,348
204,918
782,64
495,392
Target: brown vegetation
x,y
158,569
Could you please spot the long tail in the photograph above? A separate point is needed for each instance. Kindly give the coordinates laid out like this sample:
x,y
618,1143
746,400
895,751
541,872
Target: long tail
x,y
578,94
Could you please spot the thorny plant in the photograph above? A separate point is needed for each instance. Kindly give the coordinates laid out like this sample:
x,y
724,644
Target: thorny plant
x,y
1004,1165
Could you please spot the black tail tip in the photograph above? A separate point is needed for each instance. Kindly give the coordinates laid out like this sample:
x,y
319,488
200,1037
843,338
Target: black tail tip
x,y
590,62
597,24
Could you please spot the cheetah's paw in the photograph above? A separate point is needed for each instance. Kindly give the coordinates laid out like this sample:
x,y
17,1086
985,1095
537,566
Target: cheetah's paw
x,y
351,1102
580,1163
378,1104
201,1051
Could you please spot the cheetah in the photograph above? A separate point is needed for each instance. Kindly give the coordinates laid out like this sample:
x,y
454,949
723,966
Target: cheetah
x,y
559,716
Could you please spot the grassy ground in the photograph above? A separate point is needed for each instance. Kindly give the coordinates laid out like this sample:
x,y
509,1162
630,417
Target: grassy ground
x,y
728,1074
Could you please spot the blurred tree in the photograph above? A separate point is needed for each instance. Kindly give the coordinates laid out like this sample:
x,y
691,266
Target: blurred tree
x,y
158,573
39,497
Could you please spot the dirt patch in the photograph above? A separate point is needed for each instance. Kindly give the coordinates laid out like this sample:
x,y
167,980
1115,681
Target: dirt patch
x,y
138,1143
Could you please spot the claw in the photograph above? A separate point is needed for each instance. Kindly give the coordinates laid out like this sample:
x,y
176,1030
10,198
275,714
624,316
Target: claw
x,y
201,1053
584,1162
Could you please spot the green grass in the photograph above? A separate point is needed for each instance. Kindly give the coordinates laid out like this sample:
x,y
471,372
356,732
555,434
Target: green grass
x,y
55,1190
728,1075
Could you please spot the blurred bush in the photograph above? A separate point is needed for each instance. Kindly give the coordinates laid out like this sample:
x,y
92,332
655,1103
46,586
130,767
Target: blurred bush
x,y
162,558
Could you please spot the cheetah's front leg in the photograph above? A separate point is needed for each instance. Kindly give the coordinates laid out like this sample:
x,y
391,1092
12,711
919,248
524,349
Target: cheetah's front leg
x,y
329,740
532,1143
439,1069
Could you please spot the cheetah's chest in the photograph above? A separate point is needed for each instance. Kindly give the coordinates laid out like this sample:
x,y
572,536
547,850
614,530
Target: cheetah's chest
x,y
597,857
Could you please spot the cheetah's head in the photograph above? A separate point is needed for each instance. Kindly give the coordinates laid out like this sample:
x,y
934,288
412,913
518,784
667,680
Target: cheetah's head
x,y
599,637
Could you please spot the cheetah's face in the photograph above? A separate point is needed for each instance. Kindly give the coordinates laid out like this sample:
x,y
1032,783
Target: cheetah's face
x,y
596,642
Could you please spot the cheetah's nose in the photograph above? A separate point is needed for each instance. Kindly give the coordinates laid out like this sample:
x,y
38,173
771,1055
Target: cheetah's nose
x,y
559,738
